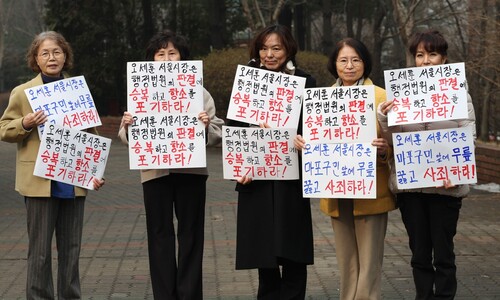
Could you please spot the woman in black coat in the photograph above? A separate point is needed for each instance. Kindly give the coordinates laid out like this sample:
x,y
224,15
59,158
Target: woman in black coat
x,y
274,221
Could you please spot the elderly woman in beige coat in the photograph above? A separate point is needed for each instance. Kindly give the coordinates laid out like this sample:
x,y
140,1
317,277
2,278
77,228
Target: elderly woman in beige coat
x,y
51,206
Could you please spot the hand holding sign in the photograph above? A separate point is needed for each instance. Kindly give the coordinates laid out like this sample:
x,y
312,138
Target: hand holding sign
x,y
35,119
67,102
72,156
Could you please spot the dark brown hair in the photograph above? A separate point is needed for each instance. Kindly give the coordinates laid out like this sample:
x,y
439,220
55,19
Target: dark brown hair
x,y
60,41
161,40
286,39
432,40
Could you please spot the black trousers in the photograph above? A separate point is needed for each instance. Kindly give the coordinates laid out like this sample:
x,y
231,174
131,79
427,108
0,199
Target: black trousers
x,y
171,277
431,224
289,283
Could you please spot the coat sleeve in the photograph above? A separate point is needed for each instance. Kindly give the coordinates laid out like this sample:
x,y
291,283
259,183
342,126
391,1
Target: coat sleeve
x,y
471,120
214,130
386,131
11,123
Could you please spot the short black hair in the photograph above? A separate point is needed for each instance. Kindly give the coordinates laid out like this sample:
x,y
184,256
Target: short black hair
x,y
432,40
161,40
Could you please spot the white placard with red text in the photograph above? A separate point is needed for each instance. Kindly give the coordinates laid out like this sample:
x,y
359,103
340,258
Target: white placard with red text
x,y
427,94
427,158
71,156
160,141
166,87
262,96
339,114
347,170
260,153
66,102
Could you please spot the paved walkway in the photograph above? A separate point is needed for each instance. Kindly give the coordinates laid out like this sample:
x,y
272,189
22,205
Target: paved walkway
x,y
114,262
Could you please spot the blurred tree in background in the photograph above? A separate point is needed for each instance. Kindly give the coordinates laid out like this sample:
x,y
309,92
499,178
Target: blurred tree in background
x,y
20,21
105,34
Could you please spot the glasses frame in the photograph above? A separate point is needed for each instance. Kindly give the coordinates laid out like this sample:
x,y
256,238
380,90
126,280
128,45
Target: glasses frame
x,y
47,54
355,62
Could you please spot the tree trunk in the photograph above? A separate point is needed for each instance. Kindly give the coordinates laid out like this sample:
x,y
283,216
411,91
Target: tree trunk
x,y
405,23
348,19
463,43
248,15
2,47
378,17
483,45
359,25
285,17
262,22
495,97
300,26
217,22
172,24
277,10
483,135
3,30
149,26
327,39
308,32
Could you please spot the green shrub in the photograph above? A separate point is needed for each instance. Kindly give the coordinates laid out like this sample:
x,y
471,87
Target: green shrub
x,y
219,68
315,64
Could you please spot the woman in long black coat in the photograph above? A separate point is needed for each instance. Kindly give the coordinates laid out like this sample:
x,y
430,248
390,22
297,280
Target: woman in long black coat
x,y
274,221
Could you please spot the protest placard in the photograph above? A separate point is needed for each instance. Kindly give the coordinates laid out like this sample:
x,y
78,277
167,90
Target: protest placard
x,y
341,170
339,114
67,102
426,94
165,98
161,141
427,158
71,156
260,153
165,87
262,96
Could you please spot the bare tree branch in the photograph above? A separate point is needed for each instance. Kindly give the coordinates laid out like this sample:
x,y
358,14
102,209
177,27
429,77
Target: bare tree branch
x,y
259,13
459,29
248,15
277,9
405,21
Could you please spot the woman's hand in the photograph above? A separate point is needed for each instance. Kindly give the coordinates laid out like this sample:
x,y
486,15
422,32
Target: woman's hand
x,y
34,119
264,125
381,145
127,120
203,117
447,184
98,183
244,180
299,142
386,106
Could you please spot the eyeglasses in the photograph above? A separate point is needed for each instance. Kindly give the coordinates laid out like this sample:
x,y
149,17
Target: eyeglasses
x,y
56,54
356,62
